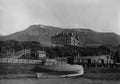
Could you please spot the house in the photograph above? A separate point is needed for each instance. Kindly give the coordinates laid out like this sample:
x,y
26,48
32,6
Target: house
x,y
102,59
41,54
66,39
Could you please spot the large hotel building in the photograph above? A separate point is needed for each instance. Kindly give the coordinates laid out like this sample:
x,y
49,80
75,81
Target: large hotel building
x,y
66,39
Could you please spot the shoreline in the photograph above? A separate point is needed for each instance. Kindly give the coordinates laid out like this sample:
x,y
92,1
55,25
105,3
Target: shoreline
x,y
90,76
15,76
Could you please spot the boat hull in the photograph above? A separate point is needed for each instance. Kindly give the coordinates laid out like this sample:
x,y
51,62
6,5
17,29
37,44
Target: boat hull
x,y
59,70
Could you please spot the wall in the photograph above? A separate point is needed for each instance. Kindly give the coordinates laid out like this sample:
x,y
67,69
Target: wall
x,y
25,61
17,68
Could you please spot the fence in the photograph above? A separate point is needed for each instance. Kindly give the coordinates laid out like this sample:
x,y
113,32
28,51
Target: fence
x,y
26,61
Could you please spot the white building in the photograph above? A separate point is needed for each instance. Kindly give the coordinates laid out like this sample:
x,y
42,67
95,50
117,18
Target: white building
x,y
41,54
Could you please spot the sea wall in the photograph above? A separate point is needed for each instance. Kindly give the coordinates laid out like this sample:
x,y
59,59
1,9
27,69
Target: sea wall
x,y
17,68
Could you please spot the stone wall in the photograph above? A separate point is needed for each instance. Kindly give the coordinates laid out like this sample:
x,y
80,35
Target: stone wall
x,y
17,68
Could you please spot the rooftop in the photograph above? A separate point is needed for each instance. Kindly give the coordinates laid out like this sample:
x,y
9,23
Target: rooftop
x,y
63,35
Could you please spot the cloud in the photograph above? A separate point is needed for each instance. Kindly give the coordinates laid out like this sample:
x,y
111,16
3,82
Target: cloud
x,y
100,15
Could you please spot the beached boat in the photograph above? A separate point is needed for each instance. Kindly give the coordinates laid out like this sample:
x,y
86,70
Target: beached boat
x,y
53,68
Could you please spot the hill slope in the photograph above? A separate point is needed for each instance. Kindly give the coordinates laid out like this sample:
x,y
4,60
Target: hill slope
x,y
44,33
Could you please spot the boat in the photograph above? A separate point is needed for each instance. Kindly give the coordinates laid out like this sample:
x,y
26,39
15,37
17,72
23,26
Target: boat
x,y
53,68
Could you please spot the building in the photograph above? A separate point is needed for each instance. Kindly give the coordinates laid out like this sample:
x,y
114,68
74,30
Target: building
x,y
103,59
41,54
66,39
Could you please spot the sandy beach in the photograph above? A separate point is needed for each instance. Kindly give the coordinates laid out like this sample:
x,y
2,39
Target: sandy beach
x,y
57,81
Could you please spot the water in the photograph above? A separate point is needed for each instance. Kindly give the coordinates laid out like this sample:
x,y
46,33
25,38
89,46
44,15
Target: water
x,y
57,81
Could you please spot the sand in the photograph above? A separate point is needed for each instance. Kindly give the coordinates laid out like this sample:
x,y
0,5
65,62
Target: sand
x,y
57,81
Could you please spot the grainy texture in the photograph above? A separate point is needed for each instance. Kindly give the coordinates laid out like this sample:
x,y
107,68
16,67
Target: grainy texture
x,y
57,81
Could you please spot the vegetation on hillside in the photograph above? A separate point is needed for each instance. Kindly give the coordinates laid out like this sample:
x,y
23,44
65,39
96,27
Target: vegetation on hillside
x,y
10,46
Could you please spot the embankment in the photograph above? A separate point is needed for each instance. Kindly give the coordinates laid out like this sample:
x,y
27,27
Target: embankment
x,y
17,70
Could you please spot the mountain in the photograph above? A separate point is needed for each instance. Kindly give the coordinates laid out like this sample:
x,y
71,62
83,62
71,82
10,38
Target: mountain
x,y
44,33
39,33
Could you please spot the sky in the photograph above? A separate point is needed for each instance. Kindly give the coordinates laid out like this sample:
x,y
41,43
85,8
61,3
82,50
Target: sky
x,y
98,15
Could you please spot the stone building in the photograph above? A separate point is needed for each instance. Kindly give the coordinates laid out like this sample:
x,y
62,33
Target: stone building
x,y
66,39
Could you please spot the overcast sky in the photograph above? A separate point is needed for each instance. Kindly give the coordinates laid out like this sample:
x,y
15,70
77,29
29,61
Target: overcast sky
x,y
99,15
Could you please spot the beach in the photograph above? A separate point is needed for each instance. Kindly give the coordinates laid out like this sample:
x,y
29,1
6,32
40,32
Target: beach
x,y
57,81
